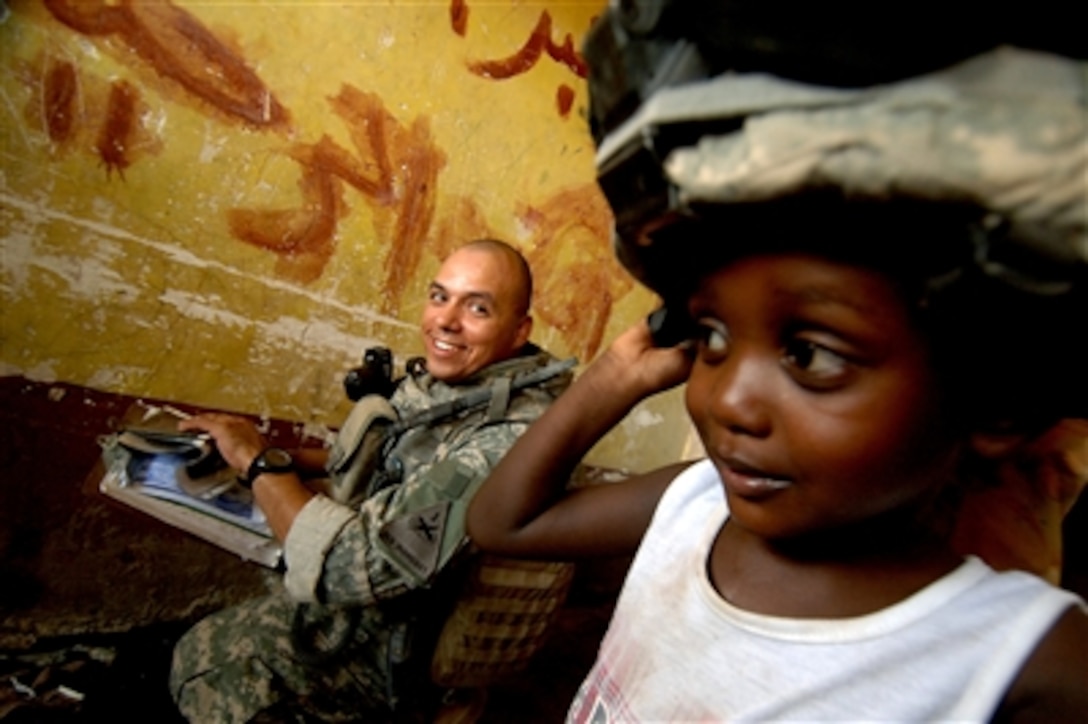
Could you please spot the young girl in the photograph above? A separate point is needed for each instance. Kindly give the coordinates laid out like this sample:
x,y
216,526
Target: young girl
x,y
849,359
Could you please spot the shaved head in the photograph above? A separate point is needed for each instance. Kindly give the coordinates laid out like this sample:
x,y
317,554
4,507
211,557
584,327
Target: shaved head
x,y
478,309
524,282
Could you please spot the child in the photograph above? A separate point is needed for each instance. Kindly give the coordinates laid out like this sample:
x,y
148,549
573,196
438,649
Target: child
x,y
852,352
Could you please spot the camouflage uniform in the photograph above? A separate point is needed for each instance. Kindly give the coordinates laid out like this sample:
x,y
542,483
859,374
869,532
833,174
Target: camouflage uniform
x,y
361,581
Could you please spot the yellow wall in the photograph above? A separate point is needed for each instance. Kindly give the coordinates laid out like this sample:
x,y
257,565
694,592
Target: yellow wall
x,y
225,203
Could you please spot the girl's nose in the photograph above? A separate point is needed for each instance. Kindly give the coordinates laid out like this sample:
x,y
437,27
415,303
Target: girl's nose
x,y
742,395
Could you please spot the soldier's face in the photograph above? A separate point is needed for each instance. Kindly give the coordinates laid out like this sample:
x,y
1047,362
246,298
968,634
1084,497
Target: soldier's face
x,y
472,318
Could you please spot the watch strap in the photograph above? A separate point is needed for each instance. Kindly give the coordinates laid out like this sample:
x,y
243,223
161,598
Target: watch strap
x,y
269,460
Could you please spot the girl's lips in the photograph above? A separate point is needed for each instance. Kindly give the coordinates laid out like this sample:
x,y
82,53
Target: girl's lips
x,y
748,482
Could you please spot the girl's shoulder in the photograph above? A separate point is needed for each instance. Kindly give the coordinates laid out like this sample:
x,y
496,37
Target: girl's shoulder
x,y
1053,683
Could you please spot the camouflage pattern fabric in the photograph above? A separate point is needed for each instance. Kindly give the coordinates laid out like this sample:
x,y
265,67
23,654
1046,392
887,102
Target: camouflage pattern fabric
x,y
361,576
241,661
1004,130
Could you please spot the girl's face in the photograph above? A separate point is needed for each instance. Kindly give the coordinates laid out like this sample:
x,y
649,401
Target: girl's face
x,y
814,395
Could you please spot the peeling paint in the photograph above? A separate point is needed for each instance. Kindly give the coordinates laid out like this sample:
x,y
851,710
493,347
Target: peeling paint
x,y
305,338
181,256
112,377
103,208
317,333
212,146
42,372
196,307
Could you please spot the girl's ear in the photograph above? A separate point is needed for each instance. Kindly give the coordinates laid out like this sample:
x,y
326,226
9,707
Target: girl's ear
x,y
995,445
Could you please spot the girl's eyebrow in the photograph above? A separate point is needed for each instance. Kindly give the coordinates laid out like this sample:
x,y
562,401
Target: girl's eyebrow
x,y
826,295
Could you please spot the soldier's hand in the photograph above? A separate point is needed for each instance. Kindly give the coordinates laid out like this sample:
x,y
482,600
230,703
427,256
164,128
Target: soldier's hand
x,y
236,437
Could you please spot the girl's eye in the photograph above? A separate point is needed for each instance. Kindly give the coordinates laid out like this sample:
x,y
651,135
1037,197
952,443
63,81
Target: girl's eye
x,y
713,339
813,364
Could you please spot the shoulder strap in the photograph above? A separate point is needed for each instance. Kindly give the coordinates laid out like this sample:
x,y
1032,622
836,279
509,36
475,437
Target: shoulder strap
x,y
500,399
372,428
482,396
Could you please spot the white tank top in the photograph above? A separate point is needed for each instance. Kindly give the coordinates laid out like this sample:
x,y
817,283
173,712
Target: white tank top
x,y
676,651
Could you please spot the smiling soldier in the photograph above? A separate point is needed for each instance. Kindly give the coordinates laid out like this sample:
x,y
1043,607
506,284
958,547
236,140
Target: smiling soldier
x,y
366,581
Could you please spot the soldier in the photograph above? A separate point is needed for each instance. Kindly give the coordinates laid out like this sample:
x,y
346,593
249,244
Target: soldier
x,y
367,583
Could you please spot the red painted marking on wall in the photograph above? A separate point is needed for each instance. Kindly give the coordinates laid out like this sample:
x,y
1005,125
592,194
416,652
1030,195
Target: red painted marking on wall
x,y
526,57
60,91
118,130
302,238
178,47
564,99
459,16
422,163
567,55
571,254
465,220
375,133
90,17
394,168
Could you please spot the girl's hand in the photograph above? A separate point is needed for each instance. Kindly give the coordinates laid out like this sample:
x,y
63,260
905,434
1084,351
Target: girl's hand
x,y
634,363
236,437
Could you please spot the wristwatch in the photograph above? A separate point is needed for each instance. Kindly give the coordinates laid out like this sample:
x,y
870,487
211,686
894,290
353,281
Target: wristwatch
x,y
270,460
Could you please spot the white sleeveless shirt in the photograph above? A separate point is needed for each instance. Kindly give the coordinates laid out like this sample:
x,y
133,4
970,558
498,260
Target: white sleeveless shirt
x,y
676,651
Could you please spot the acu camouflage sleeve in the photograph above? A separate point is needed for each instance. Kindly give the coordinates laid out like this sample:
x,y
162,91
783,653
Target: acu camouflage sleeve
x,y
401,537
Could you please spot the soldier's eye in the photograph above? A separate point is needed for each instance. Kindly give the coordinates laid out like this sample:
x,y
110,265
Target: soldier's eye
x,y
480,309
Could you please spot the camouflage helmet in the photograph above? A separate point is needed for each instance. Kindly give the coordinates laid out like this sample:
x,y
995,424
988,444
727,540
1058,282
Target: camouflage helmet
x,y
748,114
697,105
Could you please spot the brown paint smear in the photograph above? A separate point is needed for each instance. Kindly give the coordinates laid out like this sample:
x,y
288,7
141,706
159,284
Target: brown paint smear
x,y
118,131
395,168
577,277
302,238
564,99
539,42
459,16
466,221
178,47
60,94
79,110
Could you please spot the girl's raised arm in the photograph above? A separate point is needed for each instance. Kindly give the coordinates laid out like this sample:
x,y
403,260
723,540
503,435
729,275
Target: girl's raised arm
x,y
524,509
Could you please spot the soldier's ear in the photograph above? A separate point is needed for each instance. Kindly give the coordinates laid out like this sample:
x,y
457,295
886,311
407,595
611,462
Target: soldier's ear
x,y
525,328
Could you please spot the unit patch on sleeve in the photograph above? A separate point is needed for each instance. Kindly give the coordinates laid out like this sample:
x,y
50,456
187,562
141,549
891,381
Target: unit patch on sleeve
x,y
415,540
